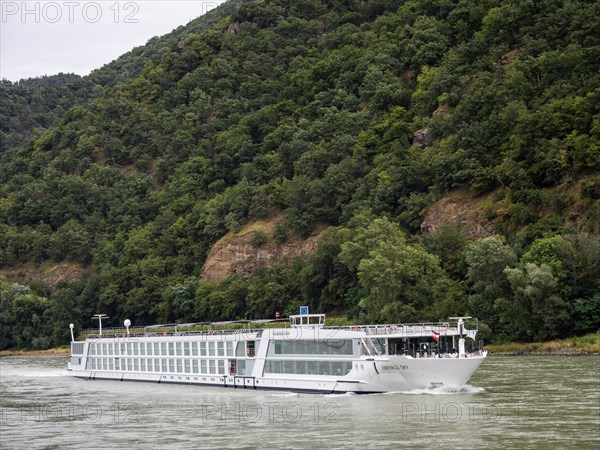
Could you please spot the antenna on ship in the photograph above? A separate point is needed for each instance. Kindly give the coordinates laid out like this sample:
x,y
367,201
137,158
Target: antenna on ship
x,y
71,326
461,323
127,324
99,318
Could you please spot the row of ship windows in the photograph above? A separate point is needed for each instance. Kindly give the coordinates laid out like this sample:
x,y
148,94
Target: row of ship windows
x,y
310,347
162,348
212,366
339,368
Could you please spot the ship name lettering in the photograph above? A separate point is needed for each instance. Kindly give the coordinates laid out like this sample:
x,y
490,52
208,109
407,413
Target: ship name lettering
x,y
394,367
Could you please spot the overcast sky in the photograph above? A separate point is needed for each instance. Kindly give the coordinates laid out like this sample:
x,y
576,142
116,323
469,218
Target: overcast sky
x,y
76,36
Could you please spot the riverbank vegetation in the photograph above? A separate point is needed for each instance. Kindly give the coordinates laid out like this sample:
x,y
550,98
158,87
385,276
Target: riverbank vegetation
x,y
356,117
582,345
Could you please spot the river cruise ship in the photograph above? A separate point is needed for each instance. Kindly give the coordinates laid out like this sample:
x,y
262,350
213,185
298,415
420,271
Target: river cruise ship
x,y
303,355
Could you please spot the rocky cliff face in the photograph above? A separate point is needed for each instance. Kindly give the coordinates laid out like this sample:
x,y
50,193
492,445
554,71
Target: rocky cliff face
x,y
49,274
461,210
241,253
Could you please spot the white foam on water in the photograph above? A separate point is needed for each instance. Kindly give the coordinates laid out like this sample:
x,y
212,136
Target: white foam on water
x,y
345,394
34,372
442,390
284,394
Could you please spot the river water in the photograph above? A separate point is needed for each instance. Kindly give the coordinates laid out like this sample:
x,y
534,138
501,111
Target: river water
x,y
511,402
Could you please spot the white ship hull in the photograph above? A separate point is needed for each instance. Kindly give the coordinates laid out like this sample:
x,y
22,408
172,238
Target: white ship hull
x,y
383,375
368,359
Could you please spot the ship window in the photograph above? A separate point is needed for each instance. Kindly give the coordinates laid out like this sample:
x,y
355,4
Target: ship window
x,y
323,367
220,350
194,348
156,349
136,348
211,349
212,366
163,363
186,348
337,368
221,367
274,366
241,367
104,349
143,364
171,349
202,348
178,348
179,366
142,349
187,366
136,364
110,364
195,366
92,349
203,366
240,349
171,365
310,347
229,348
77,348
288,367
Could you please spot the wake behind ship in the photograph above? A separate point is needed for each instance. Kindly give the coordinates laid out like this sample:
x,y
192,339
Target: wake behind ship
x,y
305,356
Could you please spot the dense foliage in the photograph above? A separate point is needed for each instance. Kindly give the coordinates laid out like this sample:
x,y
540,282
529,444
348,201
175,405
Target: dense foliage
x,y
310,107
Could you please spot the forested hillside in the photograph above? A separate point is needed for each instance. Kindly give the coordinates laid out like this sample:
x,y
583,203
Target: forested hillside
x,y
32,105
353,118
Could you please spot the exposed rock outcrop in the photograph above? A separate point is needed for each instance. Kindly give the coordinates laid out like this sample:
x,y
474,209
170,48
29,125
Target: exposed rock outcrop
x,y
240,254
420,137
461,210
49,275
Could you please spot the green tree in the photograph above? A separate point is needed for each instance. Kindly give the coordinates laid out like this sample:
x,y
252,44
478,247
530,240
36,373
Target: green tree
x,y
32,327
536,311
486,261
401,280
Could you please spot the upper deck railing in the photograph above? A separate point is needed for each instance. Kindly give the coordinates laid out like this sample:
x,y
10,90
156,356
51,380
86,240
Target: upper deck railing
x,y
114,333
450,328
411,329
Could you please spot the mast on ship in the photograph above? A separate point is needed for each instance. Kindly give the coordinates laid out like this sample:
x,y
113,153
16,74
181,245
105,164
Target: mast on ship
x,y
99,318
461,329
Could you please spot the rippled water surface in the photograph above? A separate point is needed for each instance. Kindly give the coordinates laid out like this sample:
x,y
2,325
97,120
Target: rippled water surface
x,y
511,402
